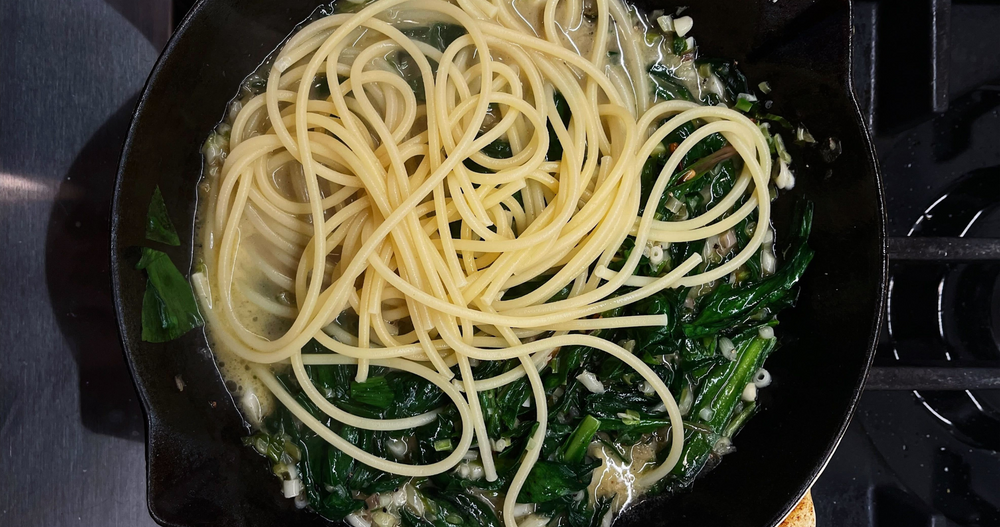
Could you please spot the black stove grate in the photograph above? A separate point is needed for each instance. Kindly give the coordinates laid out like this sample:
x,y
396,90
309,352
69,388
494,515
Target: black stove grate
x,y
922,450
943,374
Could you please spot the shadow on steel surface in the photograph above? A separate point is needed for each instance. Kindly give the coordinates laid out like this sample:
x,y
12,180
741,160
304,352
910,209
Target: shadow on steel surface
x,y
77,272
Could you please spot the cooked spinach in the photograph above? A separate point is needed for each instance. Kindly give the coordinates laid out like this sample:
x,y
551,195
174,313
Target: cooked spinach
x,y
562,108
502,406
729,306
320,89
522,289
549,480
732,78
374,391
498,149
575,448
717,401
408,69
159,228
473,510
691,354
169,309
666,85
439,35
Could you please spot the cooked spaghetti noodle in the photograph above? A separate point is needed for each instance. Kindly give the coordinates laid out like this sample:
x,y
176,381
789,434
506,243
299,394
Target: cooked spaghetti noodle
x,y
378,199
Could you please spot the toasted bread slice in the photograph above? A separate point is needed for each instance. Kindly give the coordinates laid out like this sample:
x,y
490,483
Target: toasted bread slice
x,y
803,515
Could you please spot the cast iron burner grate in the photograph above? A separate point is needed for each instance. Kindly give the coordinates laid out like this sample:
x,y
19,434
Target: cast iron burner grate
x,y
923,448
943,312
943,306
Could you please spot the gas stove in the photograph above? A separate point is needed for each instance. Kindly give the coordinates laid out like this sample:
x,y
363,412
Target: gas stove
x,y
923,447
922,450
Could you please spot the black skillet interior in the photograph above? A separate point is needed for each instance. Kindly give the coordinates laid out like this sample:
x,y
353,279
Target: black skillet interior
x,y
198,472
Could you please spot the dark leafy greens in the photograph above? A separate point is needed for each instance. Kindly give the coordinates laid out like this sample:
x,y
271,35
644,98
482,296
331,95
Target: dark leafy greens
x,y
439,36
550,480
717,402
715,343
159,228
729,74
667,85
169,309
730,306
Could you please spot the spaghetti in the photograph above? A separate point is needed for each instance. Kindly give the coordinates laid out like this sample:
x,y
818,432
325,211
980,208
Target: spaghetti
x,y
378,199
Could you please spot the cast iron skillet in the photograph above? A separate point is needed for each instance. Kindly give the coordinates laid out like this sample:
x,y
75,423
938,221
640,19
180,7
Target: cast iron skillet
x,y
199,473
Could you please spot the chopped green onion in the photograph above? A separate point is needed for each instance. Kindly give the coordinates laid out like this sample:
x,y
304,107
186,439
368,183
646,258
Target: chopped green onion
x,y
778,119
802,135
784,180
266,445
765,88
765,128
745,101
673,204
666,23
629,417
679,46
687,400
215,148
779,148
739,419
442,445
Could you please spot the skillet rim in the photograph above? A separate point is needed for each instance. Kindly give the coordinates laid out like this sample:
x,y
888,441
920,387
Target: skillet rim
x,y
883,257
151,421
